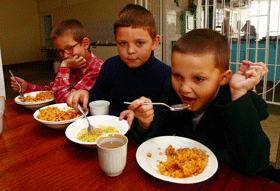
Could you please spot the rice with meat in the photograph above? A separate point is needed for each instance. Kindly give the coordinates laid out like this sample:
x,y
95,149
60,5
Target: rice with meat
x,y
55,114
85,136
41,96
183,163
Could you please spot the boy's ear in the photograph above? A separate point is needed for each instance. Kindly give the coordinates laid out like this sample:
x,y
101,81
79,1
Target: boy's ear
x,y
156,42
85,42
226,76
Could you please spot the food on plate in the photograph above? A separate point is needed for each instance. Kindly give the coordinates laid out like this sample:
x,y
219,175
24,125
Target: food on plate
x,y
41,96
56,114
149,155
84,136
183,162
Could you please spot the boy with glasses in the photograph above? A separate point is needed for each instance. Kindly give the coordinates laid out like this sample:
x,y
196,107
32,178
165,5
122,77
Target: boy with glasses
x,y
79,68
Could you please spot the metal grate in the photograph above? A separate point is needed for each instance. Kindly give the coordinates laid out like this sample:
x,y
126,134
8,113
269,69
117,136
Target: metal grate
x,y
257,41
257,44
156,8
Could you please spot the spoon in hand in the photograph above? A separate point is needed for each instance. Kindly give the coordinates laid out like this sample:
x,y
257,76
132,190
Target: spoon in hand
x,y
20,91
177,107
90,128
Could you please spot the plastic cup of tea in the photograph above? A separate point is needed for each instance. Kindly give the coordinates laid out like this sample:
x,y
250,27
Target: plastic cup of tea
x,y
112,153
2,103
1,121
99,107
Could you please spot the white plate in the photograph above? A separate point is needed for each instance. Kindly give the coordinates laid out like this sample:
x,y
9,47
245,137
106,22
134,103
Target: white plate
x,y
73,129
152,146
33,105
57,124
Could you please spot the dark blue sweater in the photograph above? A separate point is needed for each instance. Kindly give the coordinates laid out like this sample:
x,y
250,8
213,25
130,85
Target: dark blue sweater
x,y
231,129
118,83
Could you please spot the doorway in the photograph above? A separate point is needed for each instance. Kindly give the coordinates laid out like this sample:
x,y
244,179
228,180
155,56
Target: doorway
x,y
46,28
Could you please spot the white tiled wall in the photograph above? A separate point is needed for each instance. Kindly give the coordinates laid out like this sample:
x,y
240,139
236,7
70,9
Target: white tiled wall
x,y
172,28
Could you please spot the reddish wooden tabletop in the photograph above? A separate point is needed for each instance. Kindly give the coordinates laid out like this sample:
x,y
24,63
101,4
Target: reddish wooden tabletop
x,y
36,157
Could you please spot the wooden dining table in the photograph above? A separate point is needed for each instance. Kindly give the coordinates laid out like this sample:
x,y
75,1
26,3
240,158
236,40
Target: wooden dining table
x,y
36,157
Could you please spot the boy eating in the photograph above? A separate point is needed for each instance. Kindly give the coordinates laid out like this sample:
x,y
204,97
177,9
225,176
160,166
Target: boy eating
x,y
79,68
225,114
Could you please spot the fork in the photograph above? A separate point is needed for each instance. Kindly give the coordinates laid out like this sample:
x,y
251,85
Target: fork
x,y
91,128
177,107
20,91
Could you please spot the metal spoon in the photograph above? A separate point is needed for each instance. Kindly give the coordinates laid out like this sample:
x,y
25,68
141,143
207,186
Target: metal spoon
x,y
177,107
20,91
90,128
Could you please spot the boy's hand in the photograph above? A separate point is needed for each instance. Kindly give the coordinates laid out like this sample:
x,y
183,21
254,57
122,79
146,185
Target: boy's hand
x,y
22,83
74,62
127,115
247,77
74,98
145,113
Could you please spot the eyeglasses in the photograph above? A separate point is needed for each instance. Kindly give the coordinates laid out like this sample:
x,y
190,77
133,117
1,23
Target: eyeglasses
x,y
69,50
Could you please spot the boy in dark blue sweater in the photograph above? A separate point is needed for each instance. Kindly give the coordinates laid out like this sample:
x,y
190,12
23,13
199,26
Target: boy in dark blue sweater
x,y
135,71
225,114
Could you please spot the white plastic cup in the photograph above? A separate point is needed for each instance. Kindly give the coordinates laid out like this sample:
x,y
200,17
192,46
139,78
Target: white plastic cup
x,y
1,121
99,107
2,103
112,153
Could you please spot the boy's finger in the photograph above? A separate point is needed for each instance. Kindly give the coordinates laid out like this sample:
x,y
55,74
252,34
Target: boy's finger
x,y
135,104
252,74
247,62
69,100
85,102
259,69
127,115
242,69
123,115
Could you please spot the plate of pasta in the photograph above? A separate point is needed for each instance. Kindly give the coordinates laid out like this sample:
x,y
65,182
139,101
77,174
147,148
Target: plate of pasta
x,y
77,131
177,159
36,100
57,116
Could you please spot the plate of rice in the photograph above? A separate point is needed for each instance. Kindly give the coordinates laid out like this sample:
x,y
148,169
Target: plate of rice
x,y
77,131
177,159
35,100
57,116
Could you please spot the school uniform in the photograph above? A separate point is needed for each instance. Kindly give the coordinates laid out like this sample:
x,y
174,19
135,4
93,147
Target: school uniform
x,y
118,83
231,129
69,80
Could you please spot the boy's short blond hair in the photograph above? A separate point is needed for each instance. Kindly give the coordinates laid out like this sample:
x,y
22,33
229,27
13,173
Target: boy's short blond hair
x,y
136,16
70,26
205,41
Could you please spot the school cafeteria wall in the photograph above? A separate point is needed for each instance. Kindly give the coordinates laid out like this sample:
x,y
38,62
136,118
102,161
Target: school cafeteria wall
x,y
20,37
91,13
20,29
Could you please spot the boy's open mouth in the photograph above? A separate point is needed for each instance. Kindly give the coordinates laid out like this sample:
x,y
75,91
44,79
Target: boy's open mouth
x,y
188,100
